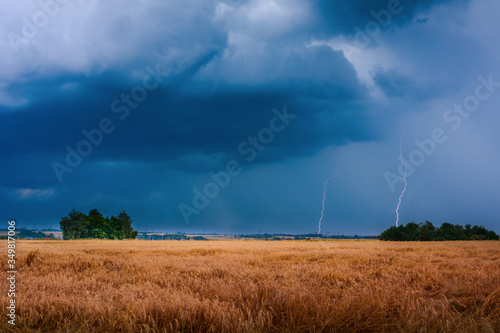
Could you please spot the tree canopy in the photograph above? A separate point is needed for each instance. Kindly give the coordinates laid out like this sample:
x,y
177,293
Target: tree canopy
x,y
94,225
428,232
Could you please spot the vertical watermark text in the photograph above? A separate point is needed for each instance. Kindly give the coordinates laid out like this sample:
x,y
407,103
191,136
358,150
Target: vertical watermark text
x,y
11,273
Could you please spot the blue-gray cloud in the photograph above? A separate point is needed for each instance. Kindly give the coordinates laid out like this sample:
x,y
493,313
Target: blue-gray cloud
x,y
223,67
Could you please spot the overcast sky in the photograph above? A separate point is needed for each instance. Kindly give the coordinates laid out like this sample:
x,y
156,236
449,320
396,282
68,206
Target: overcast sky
x,y
229,115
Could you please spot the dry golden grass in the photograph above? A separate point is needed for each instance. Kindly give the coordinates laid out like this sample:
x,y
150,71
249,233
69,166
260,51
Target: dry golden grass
x,y
255,286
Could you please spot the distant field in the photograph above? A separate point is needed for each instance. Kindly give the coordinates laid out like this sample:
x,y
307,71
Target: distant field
x,y
57,234
255,286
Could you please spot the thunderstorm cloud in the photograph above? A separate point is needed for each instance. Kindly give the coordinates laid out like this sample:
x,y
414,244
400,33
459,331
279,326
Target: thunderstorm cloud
x,y
228,116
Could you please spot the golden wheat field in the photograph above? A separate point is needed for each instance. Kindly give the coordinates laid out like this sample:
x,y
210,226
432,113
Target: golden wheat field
x,y
255,286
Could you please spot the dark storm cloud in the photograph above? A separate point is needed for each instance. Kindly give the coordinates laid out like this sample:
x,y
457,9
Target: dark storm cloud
x,y
189,115
396,84
343,16
229,64
186,116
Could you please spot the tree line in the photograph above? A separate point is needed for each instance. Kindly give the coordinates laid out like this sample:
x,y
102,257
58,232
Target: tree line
x,y
428,232
94,225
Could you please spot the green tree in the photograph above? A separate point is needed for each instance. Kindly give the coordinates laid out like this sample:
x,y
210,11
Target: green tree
x,y
480,232
98,233
446,232
427,231
75,225
468,231
96,220
95,225
114,226
492,235
126,226
459,232
389,234
412,231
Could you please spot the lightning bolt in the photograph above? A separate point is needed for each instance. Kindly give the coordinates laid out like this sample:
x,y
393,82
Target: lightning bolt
x,y
404,179
324,196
